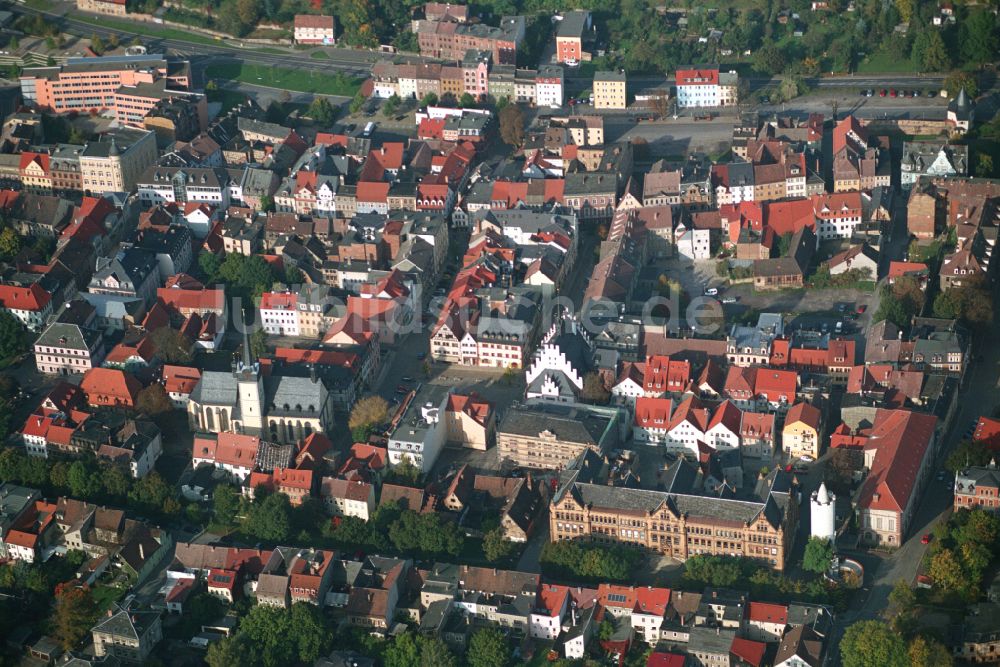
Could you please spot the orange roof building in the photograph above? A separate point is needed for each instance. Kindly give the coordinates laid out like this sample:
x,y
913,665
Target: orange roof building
x,y
110,387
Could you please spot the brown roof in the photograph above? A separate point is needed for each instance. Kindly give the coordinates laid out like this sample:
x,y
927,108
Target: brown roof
x,y
200,556
408,497
313,21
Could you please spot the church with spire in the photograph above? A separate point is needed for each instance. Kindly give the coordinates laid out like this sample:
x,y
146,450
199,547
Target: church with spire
x,y
283,405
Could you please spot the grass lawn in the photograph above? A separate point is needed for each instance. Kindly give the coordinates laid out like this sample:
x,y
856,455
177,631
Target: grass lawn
x,y
104,595
139,28
43,5
886,63
319,55
289,79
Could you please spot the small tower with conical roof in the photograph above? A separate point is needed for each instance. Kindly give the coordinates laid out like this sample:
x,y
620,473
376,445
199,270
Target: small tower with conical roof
x,y
822,514
960,111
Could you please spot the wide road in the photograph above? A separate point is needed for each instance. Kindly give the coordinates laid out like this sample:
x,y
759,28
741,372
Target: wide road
x,y
353,61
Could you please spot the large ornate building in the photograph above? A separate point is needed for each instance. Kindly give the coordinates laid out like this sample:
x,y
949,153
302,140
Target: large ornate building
x,y
679,522
279,406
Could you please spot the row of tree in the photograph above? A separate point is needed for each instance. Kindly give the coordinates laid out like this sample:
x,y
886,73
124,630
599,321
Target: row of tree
x,y
875,644
91,480
589,562
763,583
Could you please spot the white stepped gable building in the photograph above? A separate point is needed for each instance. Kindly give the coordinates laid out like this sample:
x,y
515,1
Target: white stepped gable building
x,y
559,366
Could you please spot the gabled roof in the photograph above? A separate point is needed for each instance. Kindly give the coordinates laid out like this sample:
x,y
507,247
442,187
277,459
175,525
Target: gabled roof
x,y
805,413
900,439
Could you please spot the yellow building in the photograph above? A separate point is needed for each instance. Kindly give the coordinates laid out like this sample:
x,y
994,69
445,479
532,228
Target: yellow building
x,y
610,90
800,437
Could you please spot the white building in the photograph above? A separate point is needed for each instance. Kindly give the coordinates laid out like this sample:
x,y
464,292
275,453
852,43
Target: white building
x,y
560,364
549,86
706,87
314,29
30,305
279,314
693,243
822,512
422,432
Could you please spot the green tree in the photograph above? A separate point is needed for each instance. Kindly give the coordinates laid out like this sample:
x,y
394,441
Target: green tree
x,y
115,481
818,555
172,347
435,653
150,493
769,60
402,651
929,652
12,337
404,473
978,33
210,265
282,637
466,101
322,111
357,102
153,400
512,125
946,571
930,52
495,547
425,534
966,454
258,343
74,616
429,100
977,526
269,518
391,105
266,203
10,243
488,648
225,504
83,482
367,413
984,165
902,599
956,81
872,644
97,44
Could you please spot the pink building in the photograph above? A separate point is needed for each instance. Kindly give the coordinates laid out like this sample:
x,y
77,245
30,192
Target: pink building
x,y
68,349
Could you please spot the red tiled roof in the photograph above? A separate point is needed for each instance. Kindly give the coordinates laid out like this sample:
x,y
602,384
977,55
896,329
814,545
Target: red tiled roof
x,y
552,598
278,300
697,77
651,601
471,404
228,449
805,413
749,651
109,385
32,298
186,299
690,410
653,412
180,379
764,612
900,439
988,432
899,269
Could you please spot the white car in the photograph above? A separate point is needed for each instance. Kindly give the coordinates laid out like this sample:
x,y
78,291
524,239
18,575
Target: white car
x,y
805,458
711,291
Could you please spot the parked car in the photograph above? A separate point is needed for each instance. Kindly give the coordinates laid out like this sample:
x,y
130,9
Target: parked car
x,y
926,539
882,93
711,291
730,299
861,309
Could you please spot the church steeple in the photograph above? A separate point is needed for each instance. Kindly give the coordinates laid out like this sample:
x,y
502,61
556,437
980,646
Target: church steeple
x,y
250,388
